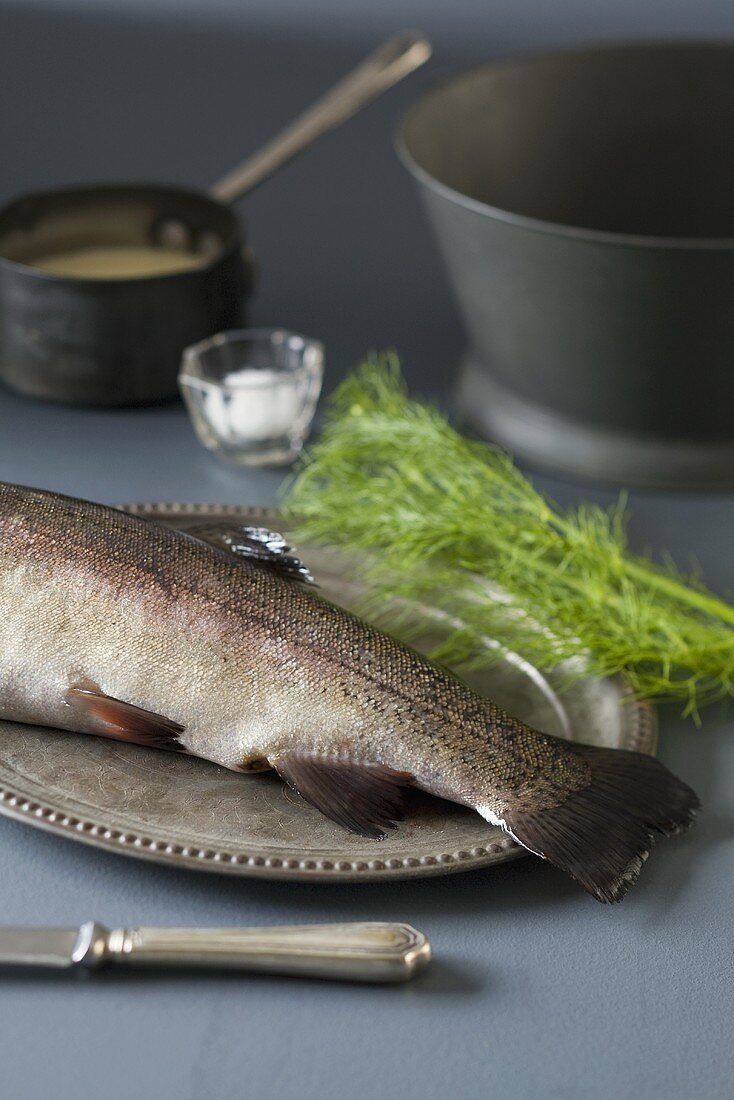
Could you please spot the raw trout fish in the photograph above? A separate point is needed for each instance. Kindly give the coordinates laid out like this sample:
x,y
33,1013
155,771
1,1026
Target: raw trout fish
x,y
210,642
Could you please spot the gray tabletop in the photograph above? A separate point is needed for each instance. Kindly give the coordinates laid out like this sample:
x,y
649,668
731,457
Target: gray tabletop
x,y
536,991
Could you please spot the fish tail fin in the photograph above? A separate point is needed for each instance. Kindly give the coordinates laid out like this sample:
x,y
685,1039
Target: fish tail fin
x,y
602,833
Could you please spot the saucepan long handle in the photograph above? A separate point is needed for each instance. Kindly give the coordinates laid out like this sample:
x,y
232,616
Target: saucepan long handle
x,y
393,60
369,951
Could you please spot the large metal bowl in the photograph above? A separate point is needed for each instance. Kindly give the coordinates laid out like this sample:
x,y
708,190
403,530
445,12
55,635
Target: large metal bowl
x,y
583,205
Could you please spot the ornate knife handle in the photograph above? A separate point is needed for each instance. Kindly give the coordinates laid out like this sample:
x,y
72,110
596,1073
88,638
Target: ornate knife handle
x,y
366,952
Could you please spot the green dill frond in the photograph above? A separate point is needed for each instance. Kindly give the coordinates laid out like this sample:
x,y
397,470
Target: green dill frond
x,y
452,521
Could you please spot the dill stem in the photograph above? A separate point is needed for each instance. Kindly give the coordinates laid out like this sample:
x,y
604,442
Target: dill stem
x,y
677,590
702,601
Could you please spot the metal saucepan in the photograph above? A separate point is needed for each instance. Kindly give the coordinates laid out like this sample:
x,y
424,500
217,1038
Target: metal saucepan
x,y
583,205
118,340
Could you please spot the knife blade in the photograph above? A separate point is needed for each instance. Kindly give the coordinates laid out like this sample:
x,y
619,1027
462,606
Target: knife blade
x,y
47,947
368,951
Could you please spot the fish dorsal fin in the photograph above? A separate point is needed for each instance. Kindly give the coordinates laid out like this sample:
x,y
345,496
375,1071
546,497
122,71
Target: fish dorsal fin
x,y
362,797
257,544
105,716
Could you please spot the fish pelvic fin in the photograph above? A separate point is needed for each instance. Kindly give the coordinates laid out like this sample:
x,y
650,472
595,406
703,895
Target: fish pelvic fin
x,y
602,834
365,798
104,716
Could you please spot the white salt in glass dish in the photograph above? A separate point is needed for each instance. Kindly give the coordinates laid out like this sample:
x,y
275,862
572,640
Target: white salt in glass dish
x,y
252,393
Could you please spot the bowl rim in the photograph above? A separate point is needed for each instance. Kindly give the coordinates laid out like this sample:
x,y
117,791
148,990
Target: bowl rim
x,y
192,372
544,225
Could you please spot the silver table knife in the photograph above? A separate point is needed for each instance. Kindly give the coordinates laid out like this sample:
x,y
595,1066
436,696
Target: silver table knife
x,y
367,952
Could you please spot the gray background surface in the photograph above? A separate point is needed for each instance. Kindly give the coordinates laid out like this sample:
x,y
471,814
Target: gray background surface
x,y
537,991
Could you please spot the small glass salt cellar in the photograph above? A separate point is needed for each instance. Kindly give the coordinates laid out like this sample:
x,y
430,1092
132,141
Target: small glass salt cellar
x,y
252,393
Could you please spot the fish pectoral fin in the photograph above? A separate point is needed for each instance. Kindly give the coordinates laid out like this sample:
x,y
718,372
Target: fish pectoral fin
x,y
363,797
257,544
108,717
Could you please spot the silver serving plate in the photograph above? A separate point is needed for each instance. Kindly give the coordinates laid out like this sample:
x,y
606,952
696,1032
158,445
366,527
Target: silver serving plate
x,y
186,812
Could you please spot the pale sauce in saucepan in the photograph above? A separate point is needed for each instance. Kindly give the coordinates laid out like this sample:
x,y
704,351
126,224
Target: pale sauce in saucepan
x,y
118,261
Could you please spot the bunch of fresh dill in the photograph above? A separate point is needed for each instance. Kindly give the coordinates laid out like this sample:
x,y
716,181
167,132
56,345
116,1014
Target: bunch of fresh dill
x,y
451,521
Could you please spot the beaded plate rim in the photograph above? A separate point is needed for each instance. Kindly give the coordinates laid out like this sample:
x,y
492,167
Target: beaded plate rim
x,y
641,736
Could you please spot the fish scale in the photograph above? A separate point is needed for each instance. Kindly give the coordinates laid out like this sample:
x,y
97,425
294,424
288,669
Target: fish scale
x,y
212,642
